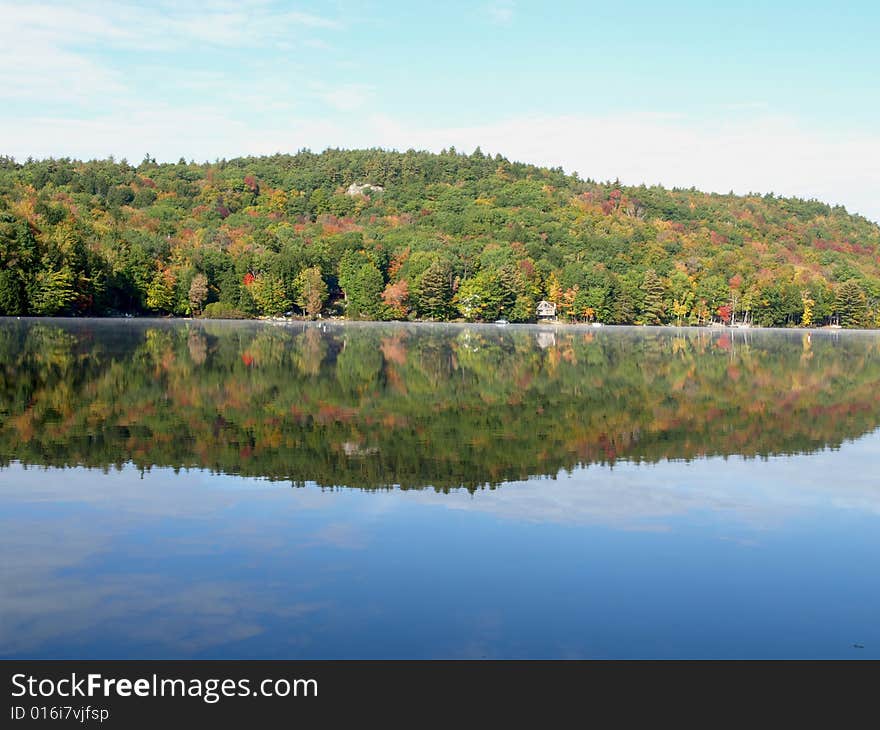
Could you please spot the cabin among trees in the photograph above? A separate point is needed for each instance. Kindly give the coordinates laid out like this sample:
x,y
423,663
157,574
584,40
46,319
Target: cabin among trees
x,y
545,311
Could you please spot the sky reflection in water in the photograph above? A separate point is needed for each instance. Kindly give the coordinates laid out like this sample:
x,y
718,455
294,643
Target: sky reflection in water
x,y
711,557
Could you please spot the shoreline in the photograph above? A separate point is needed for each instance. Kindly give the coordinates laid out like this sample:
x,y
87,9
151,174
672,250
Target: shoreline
x,y
341,321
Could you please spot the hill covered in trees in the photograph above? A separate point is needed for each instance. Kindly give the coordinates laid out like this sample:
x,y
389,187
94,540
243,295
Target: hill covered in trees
x,y
387,235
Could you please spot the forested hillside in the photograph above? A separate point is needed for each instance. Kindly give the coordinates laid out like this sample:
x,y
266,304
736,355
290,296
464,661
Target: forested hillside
x,y
419,236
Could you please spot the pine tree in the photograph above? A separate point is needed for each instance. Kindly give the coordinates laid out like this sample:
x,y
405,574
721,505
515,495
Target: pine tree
x,y
654,307
851,304
435,292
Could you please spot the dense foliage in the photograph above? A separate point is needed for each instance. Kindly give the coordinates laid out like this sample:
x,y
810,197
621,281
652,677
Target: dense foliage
x,y
386,235
395,404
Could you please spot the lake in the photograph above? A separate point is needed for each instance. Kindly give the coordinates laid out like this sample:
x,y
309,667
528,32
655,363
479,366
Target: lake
x,y
199,489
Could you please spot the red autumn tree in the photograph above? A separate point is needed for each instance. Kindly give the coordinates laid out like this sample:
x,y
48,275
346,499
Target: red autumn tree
x,y
396,298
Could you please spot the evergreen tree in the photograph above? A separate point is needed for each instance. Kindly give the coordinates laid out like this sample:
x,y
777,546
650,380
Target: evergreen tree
x,y
12,299
435,292
654,306
851,304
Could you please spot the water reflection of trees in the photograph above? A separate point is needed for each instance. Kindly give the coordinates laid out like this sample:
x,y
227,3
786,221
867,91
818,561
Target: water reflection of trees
x,y
383,405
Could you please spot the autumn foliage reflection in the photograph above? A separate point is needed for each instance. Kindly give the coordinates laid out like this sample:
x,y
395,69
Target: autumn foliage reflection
x,y
419,405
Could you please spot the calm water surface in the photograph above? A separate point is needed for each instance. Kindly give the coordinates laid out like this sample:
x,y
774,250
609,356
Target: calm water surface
x,y
243,490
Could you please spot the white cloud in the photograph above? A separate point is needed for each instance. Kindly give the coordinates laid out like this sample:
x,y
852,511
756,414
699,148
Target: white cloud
x,y
501,11
741,492
345,98
157,25
44,44
37,63
163,608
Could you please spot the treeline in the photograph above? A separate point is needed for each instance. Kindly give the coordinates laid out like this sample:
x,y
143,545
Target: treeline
x,y
394,405
420,236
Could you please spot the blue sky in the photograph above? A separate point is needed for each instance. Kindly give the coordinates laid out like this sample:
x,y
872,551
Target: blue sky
x,y
722,96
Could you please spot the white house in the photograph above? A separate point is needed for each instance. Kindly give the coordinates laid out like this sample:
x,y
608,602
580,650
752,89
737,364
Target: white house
x,y
546,310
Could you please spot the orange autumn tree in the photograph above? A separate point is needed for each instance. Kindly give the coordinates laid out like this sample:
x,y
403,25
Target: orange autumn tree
x,y
396,298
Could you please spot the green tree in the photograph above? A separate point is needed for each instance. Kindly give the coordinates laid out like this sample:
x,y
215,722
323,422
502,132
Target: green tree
x,y
160,293
311,291
12,294
363,288
484,297
51,291
269,295
435,291
654,306
319,201
851,304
